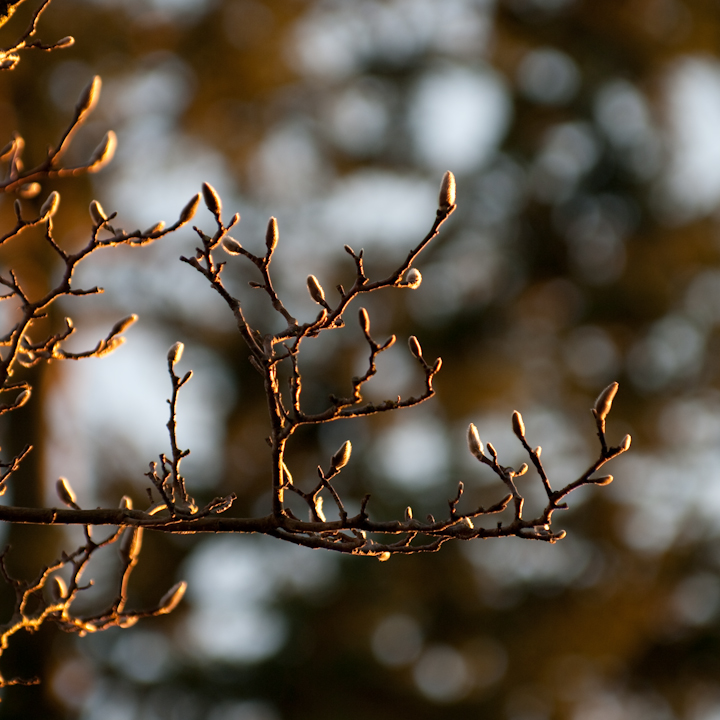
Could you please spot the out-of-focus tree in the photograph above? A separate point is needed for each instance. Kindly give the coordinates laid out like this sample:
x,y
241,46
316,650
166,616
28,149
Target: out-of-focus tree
x,y
583,250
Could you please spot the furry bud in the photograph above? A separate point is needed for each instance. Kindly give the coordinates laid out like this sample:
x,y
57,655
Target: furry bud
x,y
604,480
604,401
175,353
57,589
171,599
50,206
22,398
231,246
413,278
65,492
447,192
342,456
104,152
212,199
97,214
364,320
89,97
625,444
9,62
126,502
224,504
518,425
66,42
30,190
8,149
272,235
414,346
122,325
315,289
157,227
474,442
190,209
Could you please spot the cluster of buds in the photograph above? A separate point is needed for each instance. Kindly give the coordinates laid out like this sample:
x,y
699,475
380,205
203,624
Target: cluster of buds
x,y
600,411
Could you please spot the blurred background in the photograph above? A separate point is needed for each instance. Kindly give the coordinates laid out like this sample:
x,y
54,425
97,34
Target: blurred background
x,y
585,138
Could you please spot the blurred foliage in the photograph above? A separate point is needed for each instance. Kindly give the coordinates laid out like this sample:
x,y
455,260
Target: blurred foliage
x,y
584,250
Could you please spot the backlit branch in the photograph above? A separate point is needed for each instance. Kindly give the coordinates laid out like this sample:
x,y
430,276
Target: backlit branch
x,y
326,521
10,56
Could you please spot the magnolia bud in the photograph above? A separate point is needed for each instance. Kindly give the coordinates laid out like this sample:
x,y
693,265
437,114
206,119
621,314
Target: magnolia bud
x,y
316,291
625,444
57,589
605,400
604,480
212,199
384,556
50,206
65,492
97,214
272,235
131,544
518,424
104,152
88,97
364,320
30,190
172,598
474,441
157,227
124,324
8,149
126,502
231,246
447,192
175,353
22,398
224,505
414,346
408,514
537,451
190,209
342,456
66,42
413,278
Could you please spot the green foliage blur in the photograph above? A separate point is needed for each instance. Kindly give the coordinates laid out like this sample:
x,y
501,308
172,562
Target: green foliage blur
x,y
583,136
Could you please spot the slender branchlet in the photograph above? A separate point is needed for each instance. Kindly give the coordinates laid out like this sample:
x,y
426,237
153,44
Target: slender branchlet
x,y
10,56
274,352
539,528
